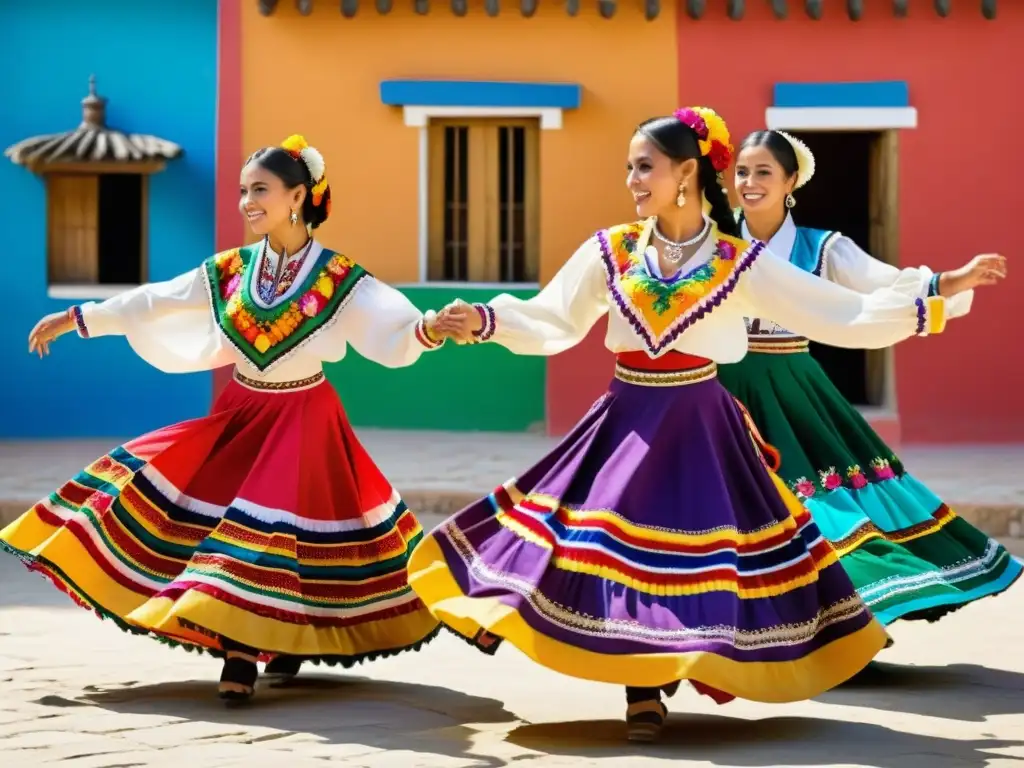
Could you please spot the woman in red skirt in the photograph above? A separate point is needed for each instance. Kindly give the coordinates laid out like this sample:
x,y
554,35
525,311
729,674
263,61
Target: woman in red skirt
x,y
263,530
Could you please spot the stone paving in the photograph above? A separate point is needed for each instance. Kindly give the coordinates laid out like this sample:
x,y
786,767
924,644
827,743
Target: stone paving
x,y
439,472
78,693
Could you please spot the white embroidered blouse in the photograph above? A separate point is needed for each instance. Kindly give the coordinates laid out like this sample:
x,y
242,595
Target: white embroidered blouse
x,y
213,316
843,262
701,310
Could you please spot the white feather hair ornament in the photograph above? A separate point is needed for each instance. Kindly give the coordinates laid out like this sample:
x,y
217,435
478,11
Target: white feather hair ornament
x,y
314,162
804,159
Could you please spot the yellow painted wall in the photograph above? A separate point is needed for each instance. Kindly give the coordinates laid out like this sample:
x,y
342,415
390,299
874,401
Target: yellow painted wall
x,y
320,75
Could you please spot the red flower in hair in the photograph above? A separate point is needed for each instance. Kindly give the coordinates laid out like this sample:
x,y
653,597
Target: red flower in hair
x,y
720,155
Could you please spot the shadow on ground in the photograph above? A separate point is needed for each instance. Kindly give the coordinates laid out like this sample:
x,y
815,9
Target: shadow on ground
x,y
790,741
965,692
333,709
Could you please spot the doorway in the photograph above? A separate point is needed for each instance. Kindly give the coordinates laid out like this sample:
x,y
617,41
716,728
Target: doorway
x,y
854,191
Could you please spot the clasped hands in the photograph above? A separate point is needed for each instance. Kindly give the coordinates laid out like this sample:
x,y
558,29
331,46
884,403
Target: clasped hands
x,y
458,321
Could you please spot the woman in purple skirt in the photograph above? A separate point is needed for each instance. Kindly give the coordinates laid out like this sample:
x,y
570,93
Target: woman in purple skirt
x,y
654,544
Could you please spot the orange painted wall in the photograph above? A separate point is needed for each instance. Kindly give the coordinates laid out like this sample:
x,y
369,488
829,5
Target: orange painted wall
x,y
958,195
319,75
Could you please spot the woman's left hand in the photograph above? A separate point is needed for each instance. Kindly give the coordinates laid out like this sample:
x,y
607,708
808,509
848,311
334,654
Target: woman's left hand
x,y
984,269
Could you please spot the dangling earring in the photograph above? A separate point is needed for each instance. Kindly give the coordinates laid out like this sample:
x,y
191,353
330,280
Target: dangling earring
x,y
790,200
681,197
293,218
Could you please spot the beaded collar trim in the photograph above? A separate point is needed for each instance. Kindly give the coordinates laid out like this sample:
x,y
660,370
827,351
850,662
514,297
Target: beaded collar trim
x,y
659,310
267,337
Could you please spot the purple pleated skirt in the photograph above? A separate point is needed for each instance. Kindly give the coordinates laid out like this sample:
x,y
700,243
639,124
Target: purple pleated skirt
x,y
654,544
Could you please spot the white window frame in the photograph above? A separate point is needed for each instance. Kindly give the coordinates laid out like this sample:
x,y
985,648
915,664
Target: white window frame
x,y
839,118
417,116
86,291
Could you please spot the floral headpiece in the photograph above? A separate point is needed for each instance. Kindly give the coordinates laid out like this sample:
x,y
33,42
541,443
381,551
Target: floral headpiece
x,y
804,159
297,146
712,134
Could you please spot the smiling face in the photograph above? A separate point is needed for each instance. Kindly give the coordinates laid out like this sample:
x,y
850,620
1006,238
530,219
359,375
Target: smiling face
x,y
761,183
653,178
265,201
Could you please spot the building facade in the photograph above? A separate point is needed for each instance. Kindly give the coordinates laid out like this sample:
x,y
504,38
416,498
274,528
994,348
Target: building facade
x,y
468,155
85,222
472,147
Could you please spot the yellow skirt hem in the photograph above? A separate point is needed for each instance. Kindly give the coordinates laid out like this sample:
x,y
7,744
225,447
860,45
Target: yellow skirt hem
x,y
197,618
769,682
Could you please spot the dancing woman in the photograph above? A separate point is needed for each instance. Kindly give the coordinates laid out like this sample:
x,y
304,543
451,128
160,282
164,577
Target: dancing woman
x,y
654,544
907,553
264,528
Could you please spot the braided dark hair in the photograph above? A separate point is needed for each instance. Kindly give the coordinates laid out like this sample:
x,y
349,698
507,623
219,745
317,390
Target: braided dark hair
x,y
293,172
679,142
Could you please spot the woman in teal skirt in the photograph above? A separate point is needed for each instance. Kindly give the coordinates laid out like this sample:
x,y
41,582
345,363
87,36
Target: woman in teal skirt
x,y
908,554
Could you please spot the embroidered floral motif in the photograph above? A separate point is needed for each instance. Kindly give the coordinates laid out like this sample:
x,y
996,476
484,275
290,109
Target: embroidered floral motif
x,y
883,469
856,477
804,488
266,334
830,479
266,287
659,310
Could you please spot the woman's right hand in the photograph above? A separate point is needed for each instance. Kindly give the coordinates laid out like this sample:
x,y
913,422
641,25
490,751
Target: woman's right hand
x,y
47,330
459,321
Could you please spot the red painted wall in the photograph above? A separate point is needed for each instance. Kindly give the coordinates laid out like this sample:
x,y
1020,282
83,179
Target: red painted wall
x,y
957,196
229,230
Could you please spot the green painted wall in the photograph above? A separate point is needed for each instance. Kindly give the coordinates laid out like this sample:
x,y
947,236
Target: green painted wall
x,y
479,387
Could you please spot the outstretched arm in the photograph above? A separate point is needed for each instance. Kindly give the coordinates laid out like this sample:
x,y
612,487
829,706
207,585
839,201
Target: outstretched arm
x,y
849,265
831,314
169,324
554,320
384,326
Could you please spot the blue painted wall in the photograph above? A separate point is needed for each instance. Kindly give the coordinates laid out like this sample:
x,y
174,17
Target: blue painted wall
x,y
156,63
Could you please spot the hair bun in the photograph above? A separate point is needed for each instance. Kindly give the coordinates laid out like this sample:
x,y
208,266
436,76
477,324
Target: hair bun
x,y
297,146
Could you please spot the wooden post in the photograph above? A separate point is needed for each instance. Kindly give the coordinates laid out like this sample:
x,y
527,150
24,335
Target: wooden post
x,y
884,243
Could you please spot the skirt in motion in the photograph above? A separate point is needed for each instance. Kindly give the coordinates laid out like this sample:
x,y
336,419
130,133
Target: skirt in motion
x,y
652,545
265,523
907,553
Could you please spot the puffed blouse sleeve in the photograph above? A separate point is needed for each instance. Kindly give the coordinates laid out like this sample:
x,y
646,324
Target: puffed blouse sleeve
x,y
382,325
828,313
169,324
559,316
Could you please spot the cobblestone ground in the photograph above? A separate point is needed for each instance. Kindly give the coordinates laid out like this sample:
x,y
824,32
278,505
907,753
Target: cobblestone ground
x,y
76,692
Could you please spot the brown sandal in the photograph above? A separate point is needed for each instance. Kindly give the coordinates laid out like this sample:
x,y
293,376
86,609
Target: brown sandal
x,y
238,677
645,719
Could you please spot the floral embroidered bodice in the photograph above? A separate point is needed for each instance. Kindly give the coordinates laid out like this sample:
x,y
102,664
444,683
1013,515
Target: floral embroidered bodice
x,y
269,285
659,309
267,335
